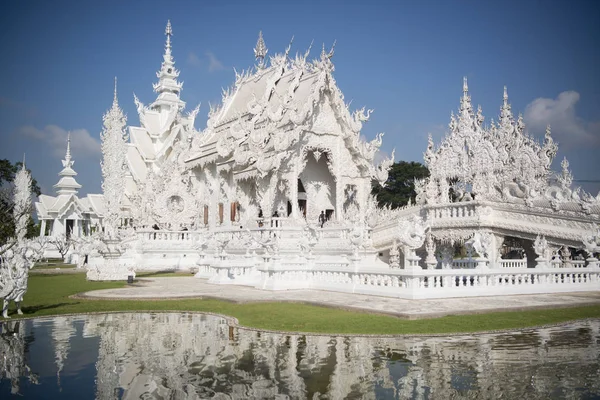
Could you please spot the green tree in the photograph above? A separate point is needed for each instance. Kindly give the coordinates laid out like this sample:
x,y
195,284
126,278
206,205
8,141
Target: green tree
x,y
400,186
8,171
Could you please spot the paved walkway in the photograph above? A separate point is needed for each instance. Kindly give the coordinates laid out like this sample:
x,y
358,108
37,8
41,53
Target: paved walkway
x,y
190,287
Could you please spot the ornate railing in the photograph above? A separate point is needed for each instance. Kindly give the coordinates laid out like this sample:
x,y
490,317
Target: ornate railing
x,y
573,264
463,263
157,235
432,283
453,210
513,263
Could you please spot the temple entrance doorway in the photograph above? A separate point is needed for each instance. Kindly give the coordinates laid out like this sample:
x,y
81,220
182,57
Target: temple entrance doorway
x,y
69,227
319,185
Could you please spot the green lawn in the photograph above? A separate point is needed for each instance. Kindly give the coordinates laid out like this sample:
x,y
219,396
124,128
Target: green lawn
x,y
54,265
49,295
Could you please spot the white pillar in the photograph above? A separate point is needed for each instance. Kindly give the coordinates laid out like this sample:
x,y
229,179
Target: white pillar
x,y
43,227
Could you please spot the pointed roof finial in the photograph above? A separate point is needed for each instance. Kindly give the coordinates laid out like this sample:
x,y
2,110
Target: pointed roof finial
x,y
68,155
287,50
465,86
167,86
67,183
331,52
309,48
23,160
505,96
115,101
168,33
260,51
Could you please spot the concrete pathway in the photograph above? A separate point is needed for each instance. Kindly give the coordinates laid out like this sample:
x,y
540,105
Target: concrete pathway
x,y
190,287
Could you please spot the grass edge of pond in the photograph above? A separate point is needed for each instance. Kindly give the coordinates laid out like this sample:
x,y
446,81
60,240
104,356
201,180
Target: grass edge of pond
x,y
49,295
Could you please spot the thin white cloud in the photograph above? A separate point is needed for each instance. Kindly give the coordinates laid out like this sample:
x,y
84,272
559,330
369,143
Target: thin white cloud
x,y
213,63
380,155
209,61
194,60
83,145
567,128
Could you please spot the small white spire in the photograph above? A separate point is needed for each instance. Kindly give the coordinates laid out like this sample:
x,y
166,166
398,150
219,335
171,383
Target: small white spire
x,y
68,155
115,101
260,51
466,109
23,160
168,33
505,96
67,183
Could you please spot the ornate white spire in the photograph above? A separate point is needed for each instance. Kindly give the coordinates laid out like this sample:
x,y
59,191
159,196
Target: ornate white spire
x,y
115,100
167,87
67,163
506,117
565,179
114,146
466,116
326,57
67,183
260,51
168,33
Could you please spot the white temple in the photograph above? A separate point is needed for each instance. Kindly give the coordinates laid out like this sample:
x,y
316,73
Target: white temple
x,y
67,214
276,193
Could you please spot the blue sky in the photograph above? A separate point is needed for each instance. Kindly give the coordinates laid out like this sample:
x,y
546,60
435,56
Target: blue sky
x,y
404,59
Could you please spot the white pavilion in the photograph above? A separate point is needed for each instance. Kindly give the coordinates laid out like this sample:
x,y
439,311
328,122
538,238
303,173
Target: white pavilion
x,y
67,214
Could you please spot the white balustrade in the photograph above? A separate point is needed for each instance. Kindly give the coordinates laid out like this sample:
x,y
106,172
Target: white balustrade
x,y
574,264
463,263
513,263
453,210
156,235
437,283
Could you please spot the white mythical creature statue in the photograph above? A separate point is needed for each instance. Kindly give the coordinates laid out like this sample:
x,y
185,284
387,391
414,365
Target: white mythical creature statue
x,y
15,264
394,256
308,240
381,172
411,232
541,247
411,235
481,243
591,241
269,244
356,238
19,254
420,190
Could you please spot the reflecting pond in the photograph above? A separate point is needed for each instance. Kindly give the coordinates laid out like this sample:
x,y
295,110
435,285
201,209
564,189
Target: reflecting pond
x,y
196,356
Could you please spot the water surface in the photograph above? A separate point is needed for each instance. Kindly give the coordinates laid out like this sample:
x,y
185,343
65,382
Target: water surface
x,y
195,356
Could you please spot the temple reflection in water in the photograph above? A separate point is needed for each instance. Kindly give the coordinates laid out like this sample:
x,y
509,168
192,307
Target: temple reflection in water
x,y
194,356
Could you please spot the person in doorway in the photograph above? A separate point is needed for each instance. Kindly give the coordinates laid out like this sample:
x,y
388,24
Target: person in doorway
x,y
322,218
